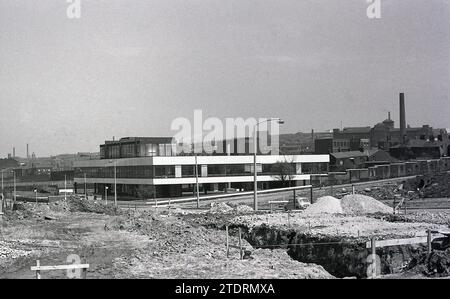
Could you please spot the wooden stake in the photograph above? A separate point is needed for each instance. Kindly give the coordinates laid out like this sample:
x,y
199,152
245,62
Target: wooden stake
x,y
312,195
289,219
240,244
228,243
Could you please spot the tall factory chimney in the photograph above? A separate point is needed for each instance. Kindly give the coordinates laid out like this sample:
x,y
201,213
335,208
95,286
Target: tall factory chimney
x,y
14,152
402,119
28,151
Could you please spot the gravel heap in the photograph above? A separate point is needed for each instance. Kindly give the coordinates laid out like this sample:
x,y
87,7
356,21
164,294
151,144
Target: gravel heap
x,y
362,204
244,209
220,208
326,204
355,204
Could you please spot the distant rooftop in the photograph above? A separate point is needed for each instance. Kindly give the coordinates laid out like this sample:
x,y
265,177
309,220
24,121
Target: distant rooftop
x,y
354,154
153,140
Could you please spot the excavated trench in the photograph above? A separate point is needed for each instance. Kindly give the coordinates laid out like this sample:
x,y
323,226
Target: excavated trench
x,y
341,257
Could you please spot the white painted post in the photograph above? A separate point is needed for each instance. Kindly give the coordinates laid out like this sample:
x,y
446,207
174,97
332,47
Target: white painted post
x,y
38,272
374,257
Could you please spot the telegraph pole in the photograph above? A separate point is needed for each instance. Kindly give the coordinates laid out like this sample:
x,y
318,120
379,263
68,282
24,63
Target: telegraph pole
x,y
196,182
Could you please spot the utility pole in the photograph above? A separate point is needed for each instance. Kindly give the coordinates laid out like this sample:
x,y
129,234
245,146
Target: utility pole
x,y
196,182
2,181
255,175
85,186
65,187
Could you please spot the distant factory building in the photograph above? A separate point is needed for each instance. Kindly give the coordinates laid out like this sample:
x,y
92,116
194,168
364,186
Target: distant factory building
x,y
404,143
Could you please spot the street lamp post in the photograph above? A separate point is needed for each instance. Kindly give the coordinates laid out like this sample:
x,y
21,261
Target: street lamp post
x,y
196,183
115,181
255,150
106,195
2,182
115,184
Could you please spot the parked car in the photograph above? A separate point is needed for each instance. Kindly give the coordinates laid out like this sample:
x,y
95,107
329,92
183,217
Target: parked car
x,y
302,202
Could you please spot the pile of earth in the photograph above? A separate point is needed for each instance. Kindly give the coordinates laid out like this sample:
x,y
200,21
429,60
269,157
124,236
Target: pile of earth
x,y
436,264
57,209
77,204
326,204
223,208
355,204
361,204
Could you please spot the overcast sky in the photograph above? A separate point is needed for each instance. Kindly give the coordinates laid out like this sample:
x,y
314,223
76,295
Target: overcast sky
x,y
129,67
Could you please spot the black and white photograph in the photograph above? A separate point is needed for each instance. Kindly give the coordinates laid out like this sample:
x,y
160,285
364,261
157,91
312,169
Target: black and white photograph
x,y
220,147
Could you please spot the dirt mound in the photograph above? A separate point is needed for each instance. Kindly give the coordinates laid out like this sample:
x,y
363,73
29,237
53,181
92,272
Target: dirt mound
x,y
362,204
76,204
326,204
244,209
220,208
436,264
355,204
57,209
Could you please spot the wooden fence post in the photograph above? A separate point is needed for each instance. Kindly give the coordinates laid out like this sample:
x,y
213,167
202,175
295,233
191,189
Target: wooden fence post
x,y
289,219
240,244
228,243
312,195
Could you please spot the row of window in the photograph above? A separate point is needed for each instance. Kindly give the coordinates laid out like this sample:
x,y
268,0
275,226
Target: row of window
x,y
143,172
133,150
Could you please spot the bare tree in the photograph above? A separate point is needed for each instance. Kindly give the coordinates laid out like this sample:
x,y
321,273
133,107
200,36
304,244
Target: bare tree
x,y
285,172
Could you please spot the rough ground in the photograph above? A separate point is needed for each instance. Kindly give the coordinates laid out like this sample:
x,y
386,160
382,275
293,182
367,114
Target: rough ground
x,y
338,225
436,264
130,244
179,250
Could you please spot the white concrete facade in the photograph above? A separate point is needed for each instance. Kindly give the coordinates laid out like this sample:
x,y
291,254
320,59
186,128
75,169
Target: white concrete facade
x,y
203,162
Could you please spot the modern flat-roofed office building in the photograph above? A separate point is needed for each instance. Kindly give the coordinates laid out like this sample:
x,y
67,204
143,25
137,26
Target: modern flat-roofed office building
x,y
149,168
